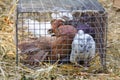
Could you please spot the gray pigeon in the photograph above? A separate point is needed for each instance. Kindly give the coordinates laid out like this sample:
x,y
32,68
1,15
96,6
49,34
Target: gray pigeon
x,y
83,48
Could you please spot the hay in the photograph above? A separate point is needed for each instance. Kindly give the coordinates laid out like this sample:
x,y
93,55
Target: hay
x,y
9,70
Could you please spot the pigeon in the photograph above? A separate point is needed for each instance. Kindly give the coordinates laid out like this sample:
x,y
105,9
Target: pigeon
x,y
37,28
83,48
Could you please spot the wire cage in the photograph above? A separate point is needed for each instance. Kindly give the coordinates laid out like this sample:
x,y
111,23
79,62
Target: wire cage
x,y
34,24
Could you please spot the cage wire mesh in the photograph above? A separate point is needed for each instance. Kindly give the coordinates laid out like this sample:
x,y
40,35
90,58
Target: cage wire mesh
x,y
34,18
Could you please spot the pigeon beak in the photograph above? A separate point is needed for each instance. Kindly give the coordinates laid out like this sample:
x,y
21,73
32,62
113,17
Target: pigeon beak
x,y
50,31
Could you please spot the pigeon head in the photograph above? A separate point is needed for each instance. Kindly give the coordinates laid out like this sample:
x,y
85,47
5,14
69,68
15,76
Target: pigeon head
x,y
56,23
80,32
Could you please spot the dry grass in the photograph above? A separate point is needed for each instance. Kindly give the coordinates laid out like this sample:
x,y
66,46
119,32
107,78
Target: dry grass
x,y
9,70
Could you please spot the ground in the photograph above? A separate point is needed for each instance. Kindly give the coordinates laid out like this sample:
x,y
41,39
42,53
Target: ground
x,y
9,70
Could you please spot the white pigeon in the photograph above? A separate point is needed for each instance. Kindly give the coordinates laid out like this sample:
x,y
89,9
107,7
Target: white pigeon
x,y
37,28
83,48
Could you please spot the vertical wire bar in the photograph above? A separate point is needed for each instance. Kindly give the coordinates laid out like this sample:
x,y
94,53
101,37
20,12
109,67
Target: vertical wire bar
x,y
22,24
62,4
39,23
42,5
45,25
17,13
28,25
32,5
20,3
34,25
80,1
52,3
106,27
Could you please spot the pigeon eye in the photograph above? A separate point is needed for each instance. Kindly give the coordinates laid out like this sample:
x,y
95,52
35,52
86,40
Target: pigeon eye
x,y
81,45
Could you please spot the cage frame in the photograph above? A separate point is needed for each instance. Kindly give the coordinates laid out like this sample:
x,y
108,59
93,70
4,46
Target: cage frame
x,y
32,11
